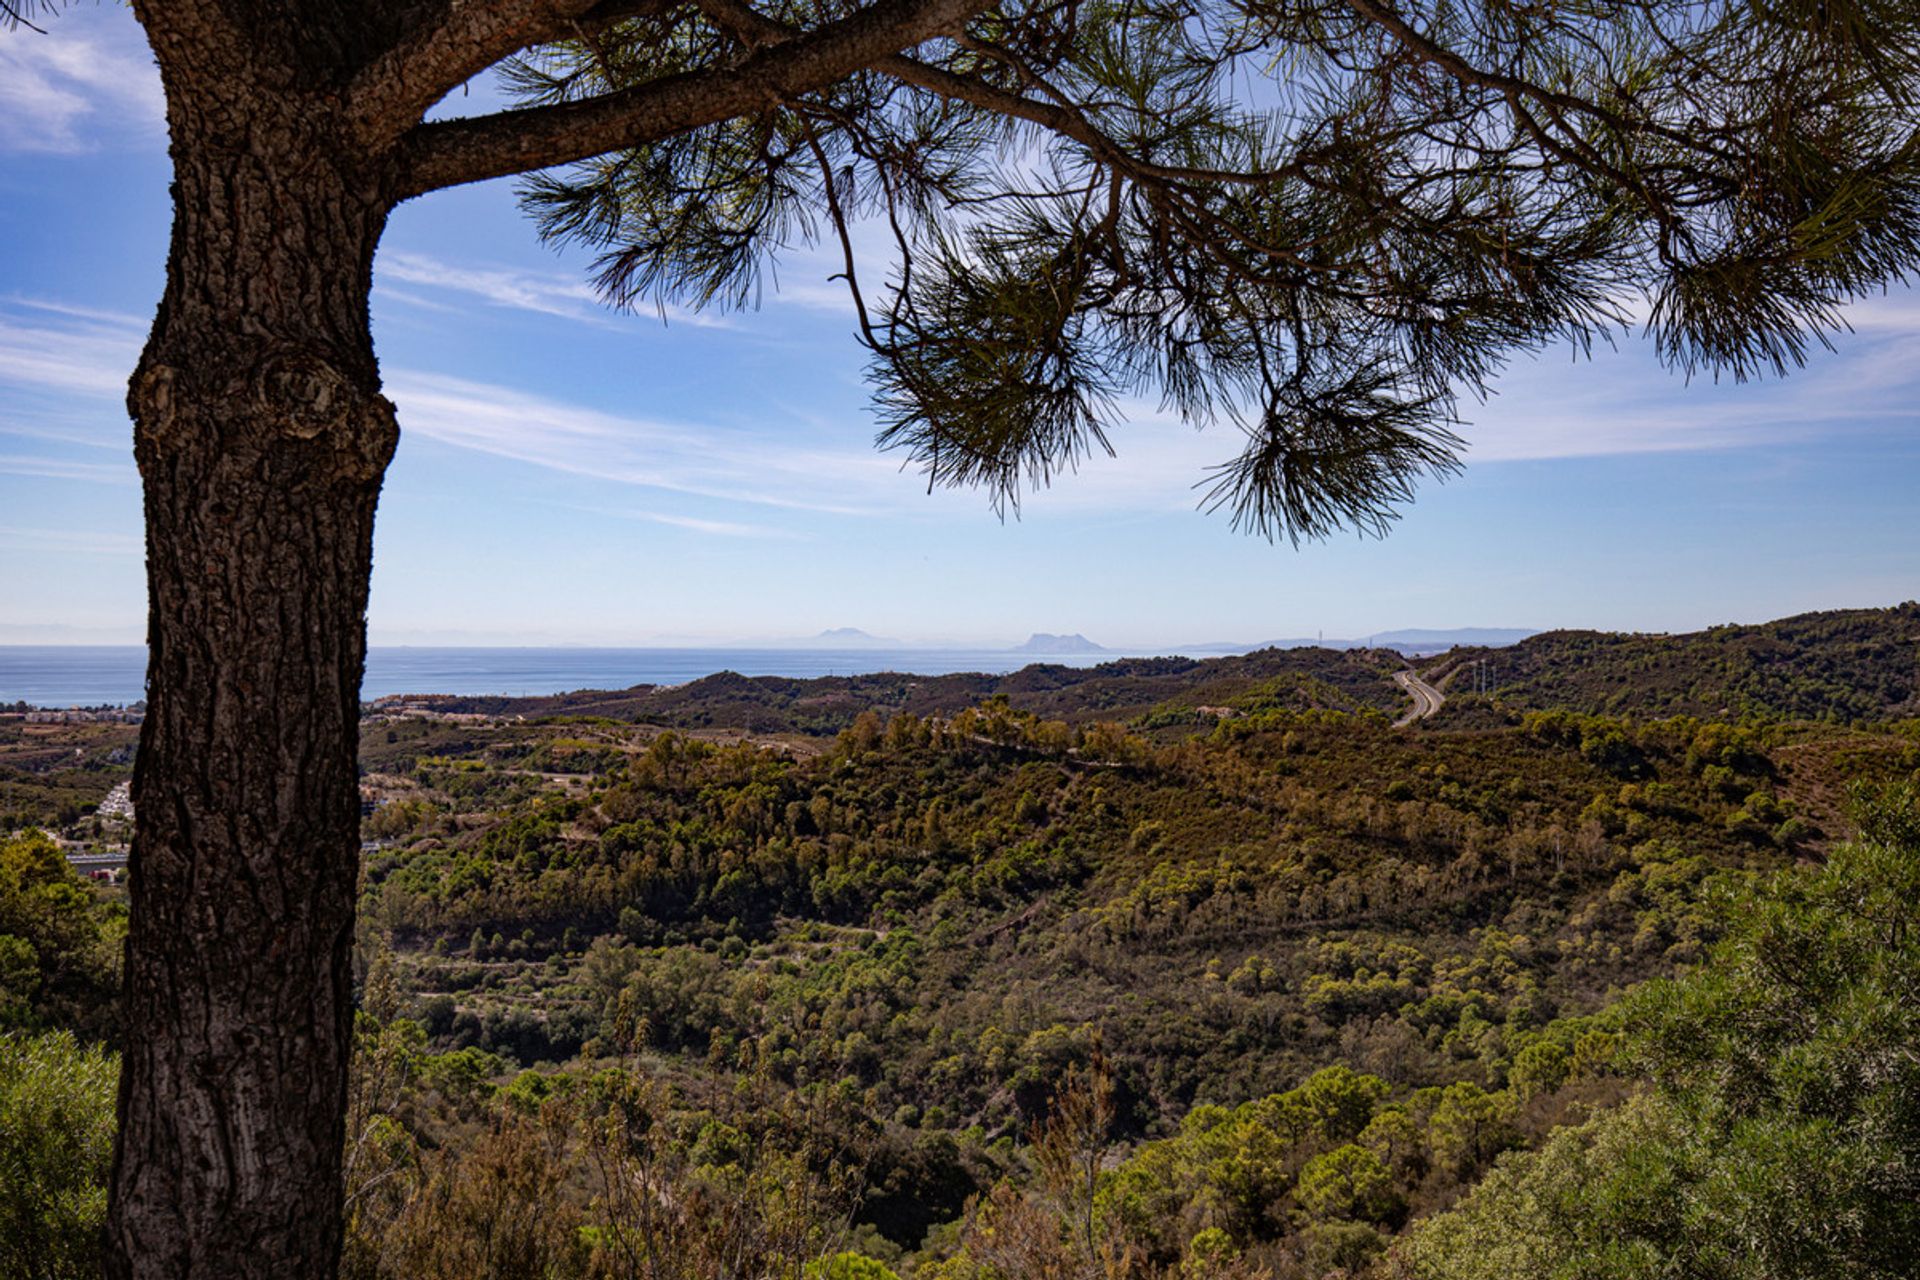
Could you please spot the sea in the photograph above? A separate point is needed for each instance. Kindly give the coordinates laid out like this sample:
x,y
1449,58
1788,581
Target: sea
x,y
115,675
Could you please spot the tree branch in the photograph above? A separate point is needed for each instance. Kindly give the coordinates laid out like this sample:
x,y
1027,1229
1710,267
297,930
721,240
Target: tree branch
x,y
755,29
1511,87
449,153
13,13
390,95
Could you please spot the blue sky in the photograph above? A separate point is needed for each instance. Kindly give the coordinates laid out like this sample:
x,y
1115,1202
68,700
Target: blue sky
x,y
567,474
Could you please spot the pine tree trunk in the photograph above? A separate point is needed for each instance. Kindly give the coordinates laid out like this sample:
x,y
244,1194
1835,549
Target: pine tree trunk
x,y
261,438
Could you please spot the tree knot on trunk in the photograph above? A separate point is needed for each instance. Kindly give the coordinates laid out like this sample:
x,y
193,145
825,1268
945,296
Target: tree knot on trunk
x,y
305,395
308,397
151,402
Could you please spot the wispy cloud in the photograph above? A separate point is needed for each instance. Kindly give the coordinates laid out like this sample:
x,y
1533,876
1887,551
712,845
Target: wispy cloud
x,y
14,464
1554,408
1622,404
797,459
76,87
552,295
63,382
65,349
1625,403
52,306
69,541
543,293
804,290
711,462
722,528
696,524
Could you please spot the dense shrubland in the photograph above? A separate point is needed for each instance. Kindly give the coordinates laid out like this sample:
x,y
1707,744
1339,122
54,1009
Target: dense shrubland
x,y
1284,993
1778,1134
1845,665
914,907
937,922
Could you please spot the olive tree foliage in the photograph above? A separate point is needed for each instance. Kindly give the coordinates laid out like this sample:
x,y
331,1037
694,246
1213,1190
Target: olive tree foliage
x,y
1322,220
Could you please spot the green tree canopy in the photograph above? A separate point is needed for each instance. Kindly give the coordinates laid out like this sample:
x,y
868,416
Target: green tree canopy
x,y
1780,1139
59,944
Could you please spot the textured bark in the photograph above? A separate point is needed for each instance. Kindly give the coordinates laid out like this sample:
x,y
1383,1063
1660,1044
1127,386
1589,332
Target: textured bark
x,y
262,438
446,153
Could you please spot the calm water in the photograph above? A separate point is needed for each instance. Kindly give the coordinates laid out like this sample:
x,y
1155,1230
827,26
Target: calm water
x,y
93,675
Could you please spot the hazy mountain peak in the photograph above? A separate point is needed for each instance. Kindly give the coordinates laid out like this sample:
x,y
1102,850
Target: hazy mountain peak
x,y
1047,642
851,638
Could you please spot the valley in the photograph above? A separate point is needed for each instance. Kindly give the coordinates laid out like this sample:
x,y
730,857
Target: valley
x,y
891,948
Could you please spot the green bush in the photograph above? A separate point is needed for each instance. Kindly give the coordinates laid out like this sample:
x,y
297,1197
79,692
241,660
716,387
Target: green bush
x,y
849,1266
56,1147
1781,1137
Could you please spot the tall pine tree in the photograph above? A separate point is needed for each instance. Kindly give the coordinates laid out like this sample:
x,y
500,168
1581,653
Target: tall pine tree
x,y
1318,219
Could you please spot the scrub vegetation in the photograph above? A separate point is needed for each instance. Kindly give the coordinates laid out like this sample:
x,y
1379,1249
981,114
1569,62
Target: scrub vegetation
x,y
1265,989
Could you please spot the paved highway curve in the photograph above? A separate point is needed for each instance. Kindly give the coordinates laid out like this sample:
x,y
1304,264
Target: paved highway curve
x,y
1426,698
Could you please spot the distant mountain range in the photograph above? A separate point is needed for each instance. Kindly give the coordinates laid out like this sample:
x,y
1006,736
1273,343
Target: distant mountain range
x,y
1413,642
1040,642
834,638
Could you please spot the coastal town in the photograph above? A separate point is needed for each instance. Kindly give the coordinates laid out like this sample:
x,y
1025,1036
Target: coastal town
x,y
68,772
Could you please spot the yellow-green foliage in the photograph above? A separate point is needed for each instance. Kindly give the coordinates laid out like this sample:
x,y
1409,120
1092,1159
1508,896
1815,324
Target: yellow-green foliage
x,y
1777,1139
1260,1170
56,1143
848,1266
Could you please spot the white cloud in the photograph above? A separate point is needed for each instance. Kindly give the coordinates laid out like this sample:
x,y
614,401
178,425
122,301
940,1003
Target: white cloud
x,y
1624,402
722,528
69,541
718,528
822,295
543,293
1543,409
712,462
801,276
1555,408
115,319
551,295
65,349
77,86
14,464
63,382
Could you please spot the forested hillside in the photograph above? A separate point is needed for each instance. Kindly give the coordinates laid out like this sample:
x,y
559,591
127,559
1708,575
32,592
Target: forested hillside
x,y
1859,664
1300,679
1217,974
1852,664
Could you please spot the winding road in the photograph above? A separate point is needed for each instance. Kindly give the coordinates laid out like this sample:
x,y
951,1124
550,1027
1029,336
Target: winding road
x,y
1426,698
